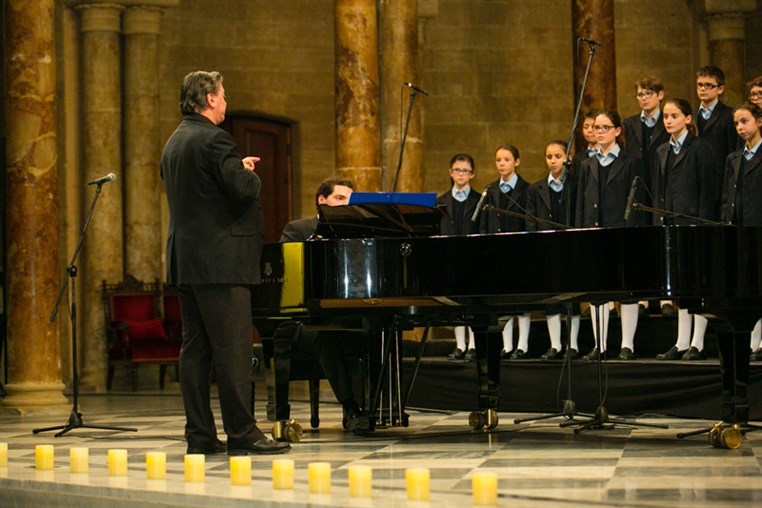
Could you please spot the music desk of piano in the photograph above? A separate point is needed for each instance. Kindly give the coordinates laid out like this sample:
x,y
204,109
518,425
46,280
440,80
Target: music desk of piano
x,y
396,283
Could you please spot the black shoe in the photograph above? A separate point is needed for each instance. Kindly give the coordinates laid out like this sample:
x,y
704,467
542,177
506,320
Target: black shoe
x,y
672,354
505,355
694,354
668,310
352,422
217,447
456,355
263,446
756,356
471,354
551,354
519,354
626,354
592,356
573,353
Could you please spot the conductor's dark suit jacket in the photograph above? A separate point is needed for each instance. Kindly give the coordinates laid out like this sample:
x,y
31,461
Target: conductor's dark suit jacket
x,y
590,213
538,204
447,226
491,222
215,229
698,186
751,189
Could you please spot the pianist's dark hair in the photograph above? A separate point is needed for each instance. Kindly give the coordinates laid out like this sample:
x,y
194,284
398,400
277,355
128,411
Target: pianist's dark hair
x,y
325,188
196,85
755,110
510,148
463,157
686,109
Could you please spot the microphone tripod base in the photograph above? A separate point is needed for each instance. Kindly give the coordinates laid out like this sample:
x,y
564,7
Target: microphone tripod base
x,y
569,411
75,422
602,421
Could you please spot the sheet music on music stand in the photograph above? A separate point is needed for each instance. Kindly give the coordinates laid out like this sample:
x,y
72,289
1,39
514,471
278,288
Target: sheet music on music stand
x,y
391,214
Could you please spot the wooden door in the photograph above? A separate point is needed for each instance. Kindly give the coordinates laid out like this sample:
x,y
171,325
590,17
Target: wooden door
x,y
271,141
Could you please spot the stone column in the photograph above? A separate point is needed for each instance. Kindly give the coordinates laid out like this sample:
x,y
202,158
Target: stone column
x,y
102,256
141,139
358,129
726,30
34,356
594,19
399,64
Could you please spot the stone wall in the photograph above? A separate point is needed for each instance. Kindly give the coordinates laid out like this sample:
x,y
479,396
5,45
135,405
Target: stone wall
x,y
498,71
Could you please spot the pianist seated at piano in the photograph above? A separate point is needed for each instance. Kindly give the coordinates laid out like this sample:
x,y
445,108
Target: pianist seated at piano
x,y
460,203
334,191
604,183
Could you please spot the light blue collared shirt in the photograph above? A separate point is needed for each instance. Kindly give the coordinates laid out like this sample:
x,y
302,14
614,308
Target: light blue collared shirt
x,y
706,112
650,122
610,157
556,185
462,194
505,187
678,145
748,153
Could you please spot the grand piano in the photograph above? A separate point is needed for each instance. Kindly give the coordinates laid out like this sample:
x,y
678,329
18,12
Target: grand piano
x,y
394,280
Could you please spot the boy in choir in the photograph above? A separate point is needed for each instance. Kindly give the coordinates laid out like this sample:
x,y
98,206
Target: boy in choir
x,y
508,192
685,182
460,202
643,134
604,183
590,143
547,200
755,91
742,187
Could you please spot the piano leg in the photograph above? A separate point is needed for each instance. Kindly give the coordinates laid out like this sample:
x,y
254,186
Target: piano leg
x,y
734,368
488,348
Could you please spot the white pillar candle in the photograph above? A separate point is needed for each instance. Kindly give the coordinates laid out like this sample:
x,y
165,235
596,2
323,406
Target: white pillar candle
x,y
117,462
319,474
283,474
156,465
79,460
44,457
194,468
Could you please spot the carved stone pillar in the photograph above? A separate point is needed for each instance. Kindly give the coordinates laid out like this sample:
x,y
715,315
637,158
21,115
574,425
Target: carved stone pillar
x,y
726,32
141,143
358,129
399,64
594,19
34,357
102,256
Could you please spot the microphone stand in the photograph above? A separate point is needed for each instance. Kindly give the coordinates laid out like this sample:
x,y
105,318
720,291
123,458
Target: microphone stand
x,y
413,94
75,418
674,215
569,409
525,216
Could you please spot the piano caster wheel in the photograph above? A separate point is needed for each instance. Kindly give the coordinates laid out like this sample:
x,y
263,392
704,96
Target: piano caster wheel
x,y
724,435
486,419
287,430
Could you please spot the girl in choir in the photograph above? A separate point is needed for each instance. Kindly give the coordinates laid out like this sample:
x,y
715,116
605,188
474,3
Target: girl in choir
x,y
604,183
685,182
547,200
509,192
460,201
742,186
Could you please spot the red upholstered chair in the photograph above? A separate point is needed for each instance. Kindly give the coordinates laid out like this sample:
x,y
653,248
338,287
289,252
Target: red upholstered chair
x,y
135,329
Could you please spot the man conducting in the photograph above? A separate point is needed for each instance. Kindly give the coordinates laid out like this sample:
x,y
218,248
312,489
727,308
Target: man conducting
x,y
213,250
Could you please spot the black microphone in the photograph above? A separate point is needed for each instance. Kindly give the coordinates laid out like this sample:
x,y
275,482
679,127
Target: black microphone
x,y
104,179
419,90
592,42
479,205
631,197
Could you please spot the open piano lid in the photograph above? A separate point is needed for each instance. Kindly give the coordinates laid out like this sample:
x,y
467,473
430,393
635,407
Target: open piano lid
x,y
371,214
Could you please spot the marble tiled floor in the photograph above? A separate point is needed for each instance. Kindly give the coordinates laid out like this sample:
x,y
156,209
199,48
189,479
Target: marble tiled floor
x,y
538,464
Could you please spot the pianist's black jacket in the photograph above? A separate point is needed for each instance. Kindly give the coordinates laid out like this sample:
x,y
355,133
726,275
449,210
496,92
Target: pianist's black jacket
x,y
697,191
590,213
750,179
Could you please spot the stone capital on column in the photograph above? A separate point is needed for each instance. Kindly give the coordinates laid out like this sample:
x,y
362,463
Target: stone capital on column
x,y
99,16
726,18
142,20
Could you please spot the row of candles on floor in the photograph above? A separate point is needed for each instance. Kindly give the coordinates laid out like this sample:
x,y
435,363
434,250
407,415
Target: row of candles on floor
x,y
484,483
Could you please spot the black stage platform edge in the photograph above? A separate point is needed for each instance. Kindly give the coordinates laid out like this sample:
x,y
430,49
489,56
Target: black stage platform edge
x,y
682,389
